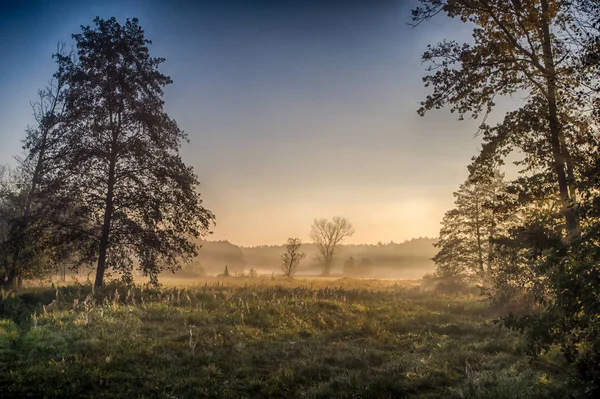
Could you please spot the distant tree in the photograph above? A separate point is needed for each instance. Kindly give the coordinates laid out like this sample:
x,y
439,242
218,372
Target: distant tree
x,y
225,273
327,234
353,268
349,266
291,257
194,269
120,162
365,264
213,254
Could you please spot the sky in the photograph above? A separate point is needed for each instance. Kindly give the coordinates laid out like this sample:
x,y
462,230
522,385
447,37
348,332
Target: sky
x,y
295,110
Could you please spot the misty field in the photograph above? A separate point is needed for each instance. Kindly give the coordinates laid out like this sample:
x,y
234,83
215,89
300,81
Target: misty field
x,y
264,338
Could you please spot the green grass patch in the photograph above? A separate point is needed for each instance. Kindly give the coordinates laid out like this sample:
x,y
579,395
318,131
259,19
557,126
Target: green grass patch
x,y
261,340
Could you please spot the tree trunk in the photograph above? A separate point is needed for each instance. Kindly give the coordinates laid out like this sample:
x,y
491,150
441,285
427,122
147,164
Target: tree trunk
x,y
326,268
327,259
12,268
491,240
559,151
478,234
10,276
108,213
101,268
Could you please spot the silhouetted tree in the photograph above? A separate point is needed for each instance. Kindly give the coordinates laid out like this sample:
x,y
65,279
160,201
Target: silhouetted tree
x,y
11,212
365,264
291,257
518,46
120,162
466,242
31,231
25,245
349,266
225,273
547,49
327,234
213,254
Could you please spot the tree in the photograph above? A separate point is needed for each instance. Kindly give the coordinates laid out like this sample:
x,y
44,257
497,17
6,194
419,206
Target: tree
x,y
120,164
365,265
362,268
349,266
30,236
466,242
26,249
327,234
11,201
518,46
548,50
193,269
213,254
225,273
291,257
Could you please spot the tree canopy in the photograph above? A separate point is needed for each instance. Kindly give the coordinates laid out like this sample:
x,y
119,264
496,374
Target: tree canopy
x,y
119,164
545,256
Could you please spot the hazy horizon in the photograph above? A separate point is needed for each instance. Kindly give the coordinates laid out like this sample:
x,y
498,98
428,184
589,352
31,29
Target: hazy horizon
x,y
211,238
295,110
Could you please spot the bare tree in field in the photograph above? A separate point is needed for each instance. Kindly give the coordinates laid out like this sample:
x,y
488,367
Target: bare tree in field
x,y
327,234
292,256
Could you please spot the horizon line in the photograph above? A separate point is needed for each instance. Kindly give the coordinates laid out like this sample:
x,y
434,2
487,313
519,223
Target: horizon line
x,y
391,242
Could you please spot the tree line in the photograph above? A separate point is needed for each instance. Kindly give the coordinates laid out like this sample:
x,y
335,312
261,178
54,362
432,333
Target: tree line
x,y
359,260
532,240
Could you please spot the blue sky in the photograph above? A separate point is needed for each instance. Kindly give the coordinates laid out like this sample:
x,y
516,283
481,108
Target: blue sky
x,y
295,109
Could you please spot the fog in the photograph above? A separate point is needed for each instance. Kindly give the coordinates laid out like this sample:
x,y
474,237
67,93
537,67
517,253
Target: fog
x,y
408,260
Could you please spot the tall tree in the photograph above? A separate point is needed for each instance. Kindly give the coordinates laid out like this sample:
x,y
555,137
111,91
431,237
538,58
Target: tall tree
x,y
548,50
517,46
292,256
327,234
120,162
31,223
466,242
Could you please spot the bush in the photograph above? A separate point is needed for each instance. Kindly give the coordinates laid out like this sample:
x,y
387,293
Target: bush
x,y
447,285
8,333
193,269
569,315
363,268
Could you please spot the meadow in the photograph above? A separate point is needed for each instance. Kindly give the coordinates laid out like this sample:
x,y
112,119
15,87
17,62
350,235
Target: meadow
x,y
264,338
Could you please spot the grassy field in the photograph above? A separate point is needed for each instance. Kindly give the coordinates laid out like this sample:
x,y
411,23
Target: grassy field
x,y
264,338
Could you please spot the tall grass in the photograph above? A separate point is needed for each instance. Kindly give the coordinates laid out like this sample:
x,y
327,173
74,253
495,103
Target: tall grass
x,y
261,338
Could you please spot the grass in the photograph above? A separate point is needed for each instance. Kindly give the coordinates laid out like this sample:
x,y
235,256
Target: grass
x,y
263,338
